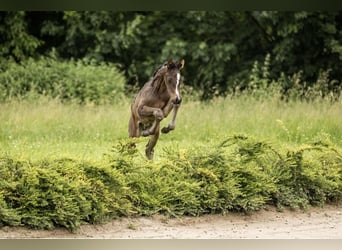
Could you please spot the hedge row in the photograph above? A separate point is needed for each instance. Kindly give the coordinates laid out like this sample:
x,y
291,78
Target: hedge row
x,y
240,174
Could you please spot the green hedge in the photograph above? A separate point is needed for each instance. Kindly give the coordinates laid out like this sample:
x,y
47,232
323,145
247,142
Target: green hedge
x,y
82,81
240,174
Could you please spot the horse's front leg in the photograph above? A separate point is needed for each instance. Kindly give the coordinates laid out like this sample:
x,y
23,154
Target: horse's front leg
x,y
172,124
150,111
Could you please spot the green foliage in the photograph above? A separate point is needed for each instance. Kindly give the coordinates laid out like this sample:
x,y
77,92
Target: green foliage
x,y
62,192
313,173
238,174
262,86
16,42
82,81
220,48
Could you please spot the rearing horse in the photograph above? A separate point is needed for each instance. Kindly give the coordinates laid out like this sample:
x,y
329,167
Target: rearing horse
x,y
154,102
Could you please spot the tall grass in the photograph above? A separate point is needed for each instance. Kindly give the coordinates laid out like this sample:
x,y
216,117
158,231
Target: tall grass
x,y
48,128
284,122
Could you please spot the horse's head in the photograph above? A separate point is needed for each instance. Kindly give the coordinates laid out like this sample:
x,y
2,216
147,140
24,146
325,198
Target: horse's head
x,y
172,80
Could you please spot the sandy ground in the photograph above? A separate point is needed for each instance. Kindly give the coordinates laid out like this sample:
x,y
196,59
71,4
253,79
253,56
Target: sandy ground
x,y
315,223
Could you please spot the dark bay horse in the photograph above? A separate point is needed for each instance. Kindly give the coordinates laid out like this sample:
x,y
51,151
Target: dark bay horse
x,y
154,102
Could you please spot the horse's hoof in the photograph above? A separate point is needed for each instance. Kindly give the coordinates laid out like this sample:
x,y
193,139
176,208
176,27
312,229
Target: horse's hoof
x,y
165,130
149,154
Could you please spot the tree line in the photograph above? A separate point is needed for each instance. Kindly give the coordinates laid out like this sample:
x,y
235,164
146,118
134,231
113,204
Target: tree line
x,y
220,48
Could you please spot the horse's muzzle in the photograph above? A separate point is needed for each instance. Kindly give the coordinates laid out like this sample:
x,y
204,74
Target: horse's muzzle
x,y
177,100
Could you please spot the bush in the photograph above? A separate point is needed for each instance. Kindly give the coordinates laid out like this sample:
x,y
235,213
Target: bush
x,y
62,192
81,81
240,174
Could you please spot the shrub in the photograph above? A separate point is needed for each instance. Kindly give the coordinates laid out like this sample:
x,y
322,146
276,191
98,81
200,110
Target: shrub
x,y
60,192
81,81
239,174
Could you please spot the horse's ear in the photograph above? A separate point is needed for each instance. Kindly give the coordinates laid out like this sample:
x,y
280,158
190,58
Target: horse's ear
x,y
181,63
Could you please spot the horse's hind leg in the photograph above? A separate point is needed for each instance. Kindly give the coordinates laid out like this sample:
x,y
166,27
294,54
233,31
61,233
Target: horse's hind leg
x,y
151,143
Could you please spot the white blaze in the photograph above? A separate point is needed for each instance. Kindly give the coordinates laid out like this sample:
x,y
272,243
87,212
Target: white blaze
x,y
178,79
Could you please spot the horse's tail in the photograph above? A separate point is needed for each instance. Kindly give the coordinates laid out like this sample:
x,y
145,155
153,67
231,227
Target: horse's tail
x,y
132,127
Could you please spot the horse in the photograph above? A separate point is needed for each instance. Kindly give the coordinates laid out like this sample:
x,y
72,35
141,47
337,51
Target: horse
x,y
155,100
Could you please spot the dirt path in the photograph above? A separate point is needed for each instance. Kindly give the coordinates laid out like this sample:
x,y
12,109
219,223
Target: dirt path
x,y
316,223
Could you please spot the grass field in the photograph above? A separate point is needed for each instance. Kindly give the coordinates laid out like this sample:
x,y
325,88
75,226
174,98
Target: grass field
x,y
51,129
66,164
47,128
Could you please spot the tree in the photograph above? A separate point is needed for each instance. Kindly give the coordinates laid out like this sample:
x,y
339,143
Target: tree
x,y
219,47
16,42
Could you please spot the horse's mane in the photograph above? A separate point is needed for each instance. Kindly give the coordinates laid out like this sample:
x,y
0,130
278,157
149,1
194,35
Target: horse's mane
x,y
157,76
157,70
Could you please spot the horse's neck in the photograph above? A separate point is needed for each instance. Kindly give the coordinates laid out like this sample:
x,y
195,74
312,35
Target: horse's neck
x,y
159,86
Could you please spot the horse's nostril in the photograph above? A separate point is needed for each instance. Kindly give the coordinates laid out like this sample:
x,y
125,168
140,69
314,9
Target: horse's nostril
x,y
178,100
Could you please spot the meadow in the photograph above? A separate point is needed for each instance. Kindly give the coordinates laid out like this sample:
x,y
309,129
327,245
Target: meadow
x,y
47,128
